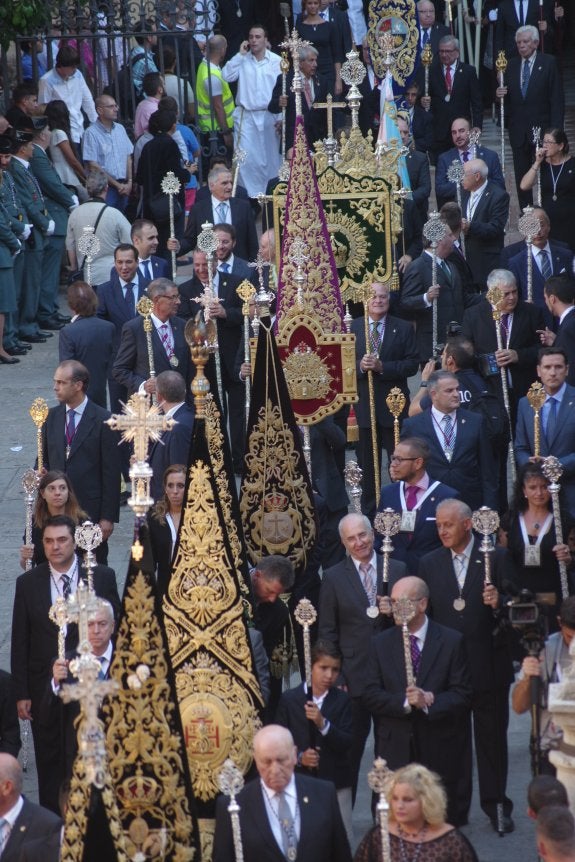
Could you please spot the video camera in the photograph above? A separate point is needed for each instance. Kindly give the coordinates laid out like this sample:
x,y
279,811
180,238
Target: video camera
x,y
526,618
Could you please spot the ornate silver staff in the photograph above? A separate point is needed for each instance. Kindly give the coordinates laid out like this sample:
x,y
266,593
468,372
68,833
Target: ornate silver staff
x,y
30,486
536,396
305,614
387,524
352,73
536,130
353,475
485,521
208,243
39,413
144,307
246,291
378,779
293,44
494,297
58,614
552,469
403,610
89,246
231,781
474,136
88,537
529,226
298,257
283,172
426,59
501,66
434,230
171,186
455,175
238,159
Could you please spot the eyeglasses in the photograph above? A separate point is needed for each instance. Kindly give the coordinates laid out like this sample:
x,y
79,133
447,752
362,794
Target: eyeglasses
x,y
171,297
109,107
398,460
553,143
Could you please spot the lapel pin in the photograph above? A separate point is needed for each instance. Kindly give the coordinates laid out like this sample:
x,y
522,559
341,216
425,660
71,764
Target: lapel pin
x,y
463,421
305,799
478,562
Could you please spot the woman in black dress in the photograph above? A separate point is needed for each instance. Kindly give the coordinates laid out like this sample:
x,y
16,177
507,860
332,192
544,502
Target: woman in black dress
x,y
557,169
324,38
531,540
164,521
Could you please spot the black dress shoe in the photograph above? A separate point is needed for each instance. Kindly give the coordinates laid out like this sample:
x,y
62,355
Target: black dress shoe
x,y
5,360
507,824
51,325
17,351
45,333
33,339
63,318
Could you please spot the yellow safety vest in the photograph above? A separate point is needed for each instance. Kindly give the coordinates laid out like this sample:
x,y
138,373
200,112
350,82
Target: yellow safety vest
x,y
206,119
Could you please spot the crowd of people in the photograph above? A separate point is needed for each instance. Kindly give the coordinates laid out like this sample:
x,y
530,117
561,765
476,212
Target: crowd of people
x,y
80,160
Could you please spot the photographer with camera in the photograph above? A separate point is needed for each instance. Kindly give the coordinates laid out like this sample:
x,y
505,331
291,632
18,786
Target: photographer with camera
x,y
544,667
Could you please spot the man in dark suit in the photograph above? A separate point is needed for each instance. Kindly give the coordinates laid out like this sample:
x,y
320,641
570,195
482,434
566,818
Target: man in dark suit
x,y
227,260
508,22
89,340
557,421
76,440
418,293
485,209
429,31
560,299
10,742
315,121
461,599
282,814
349,616
425,722
415,495
174,445
328,443
420,120
460,128
460,451
170,351
25,820
519,326
549,258
145,238
417,168
533,97
391,357
35,639
226,311
453,92
222,207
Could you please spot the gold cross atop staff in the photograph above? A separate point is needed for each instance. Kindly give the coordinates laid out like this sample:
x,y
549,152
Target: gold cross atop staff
x,y
329,105
140,423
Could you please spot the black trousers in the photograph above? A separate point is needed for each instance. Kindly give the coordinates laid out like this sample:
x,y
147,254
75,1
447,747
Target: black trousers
x,y
522,161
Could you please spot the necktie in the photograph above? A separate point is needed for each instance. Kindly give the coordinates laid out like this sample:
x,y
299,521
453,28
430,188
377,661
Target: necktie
x,y
70,427
224,267
375,336
445,267
425,38
521,14
130,300
459,566
146,269
222,212
102,673
525,75
166,339
551,423
546,270
365,570
4,834
504,326
411,496
465,156
289,841
307,91
448,433
448,79
66,582
415,653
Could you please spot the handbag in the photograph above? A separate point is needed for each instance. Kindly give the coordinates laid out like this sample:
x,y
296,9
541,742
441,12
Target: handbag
x,y
159,207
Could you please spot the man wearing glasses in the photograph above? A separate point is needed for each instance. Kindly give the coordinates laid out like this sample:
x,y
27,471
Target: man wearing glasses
x,y
106,145
170,351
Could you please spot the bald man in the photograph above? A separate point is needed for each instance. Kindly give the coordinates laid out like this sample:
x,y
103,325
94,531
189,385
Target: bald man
x,y
22,820
281,813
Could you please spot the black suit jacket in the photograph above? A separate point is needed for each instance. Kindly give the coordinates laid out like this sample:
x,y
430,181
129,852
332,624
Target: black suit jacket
x,y
422,129
478,324
465,101
315,121
93,465
132,367
489,657
471,469
334,746
508,23
561,263
35,637
162,550
33,822
399,357
438,31
91,341
9,725
343,619
322,835
486,235
566,341
242,217
443,671
419,180
173,448
543,104
112,306
42,849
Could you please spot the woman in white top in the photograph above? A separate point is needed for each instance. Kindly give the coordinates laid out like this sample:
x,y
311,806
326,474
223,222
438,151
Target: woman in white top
x,y
64,159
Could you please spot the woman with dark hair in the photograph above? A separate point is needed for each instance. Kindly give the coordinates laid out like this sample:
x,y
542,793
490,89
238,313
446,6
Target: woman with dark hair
x,y
557,169
323,36
529,532
164,521
417,826
55,497
68,167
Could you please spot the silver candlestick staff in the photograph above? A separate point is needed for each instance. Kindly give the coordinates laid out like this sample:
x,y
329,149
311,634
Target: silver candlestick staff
x,y
231,781
455,175
552,469
30,481
88,537
501,66
208,243
536,131
474,136
379,779
485,521
494,297
353,475
171,186
387,524
434,230
529,226
89,246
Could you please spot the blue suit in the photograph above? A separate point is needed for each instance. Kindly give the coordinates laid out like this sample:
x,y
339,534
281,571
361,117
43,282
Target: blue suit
x,y
160,269
445,190
410,547
173,448
90,341
561,262
562,444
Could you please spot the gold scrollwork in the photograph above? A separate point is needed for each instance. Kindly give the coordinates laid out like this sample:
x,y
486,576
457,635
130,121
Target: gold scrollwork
x,y
398,18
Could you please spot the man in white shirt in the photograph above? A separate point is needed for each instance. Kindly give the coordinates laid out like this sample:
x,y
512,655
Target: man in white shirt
x,y
66,82
256,69
297,814
21,821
